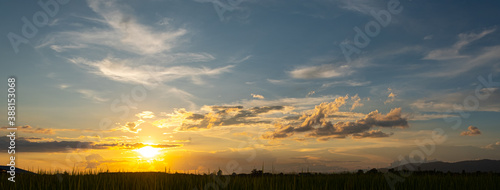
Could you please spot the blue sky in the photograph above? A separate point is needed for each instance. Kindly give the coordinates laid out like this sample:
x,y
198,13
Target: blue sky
x,y
212,78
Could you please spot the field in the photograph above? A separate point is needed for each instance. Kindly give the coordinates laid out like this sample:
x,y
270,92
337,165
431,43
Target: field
x,y
151,180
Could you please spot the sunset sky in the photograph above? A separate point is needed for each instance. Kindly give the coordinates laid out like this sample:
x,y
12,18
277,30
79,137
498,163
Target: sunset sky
x,y
198,85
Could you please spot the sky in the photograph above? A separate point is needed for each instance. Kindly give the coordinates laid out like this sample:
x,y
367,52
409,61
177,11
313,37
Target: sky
x,y
200,85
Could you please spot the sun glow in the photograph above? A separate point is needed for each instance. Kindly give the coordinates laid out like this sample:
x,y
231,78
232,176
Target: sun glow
x,y
148,151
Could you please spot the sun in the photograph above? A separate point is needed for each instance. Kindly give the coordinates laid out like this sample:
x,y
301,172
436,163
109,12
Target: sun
x,y
148,151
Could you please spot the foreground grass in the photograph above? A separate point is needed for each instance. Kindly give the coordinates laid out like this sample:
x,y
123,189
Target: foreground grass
x,y
120,181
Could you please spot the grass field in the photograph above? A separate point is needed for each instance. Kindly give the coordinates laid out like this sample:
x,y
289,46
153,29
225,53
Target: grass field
x,y
120,181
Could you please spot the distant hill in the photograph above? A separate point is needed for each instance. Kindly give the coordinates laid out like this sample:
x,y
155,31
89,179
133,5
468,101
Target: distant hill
x,y
456,167
4,169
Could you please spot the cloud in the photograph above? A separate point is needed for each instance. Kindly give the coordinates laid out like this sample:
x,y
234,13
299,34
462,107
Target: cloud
x,y
322,71
320,127
224,116
371,134
345,83
124,32
92,95
453,52
132,127
24,145
29,129
257,96
360,6
391,97
373,119
493,146
471,131
453,61
145,115
454,101
310,93
123,70
356,102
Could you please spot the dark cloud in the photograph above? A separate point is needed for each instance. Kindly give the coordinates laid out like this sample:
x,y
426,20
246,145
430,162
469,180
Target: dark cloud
x,y
24,145
371,134
29,129
195,117
471,131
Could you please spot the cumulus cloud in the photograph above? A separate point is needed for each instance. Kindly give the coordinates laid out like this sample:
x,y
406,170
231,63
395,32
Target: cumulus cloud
x,y
471,131
317,124
132,127
356,102
257,96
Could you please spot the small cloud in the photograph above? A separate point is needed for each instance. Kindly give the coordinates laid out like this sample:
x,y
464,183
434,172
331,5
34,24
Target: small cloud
x,y
371,134
275,81
145,115
356,102
63,86
472,131
310,93
132,127
93,95
257,96
428,37
391,97
322,71
493,146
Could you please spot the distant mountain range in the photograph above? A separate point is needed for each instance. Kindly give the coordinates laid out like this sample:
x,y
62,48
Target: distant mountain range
x,y
456,167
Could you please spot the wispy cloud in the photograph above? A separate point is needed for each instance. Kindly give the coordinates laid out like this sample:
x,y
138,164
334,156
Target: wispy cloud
x,y
452,52
30,129
123,70
453,61
322,71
